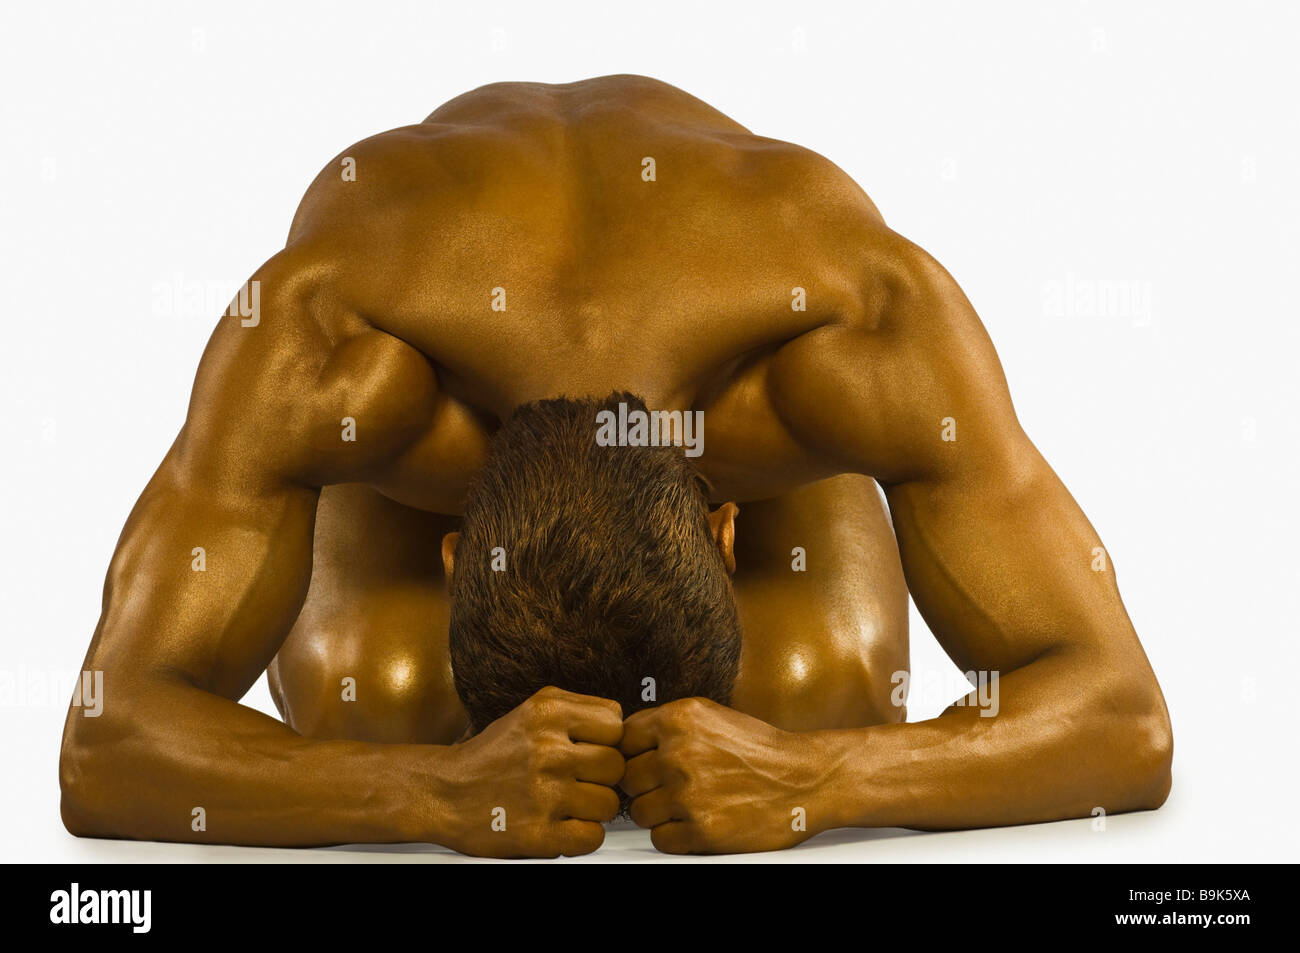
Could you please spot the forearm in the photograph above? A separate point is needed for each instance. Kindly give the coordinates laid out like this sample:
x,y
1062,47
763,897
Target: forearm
x,y
1067,738
176,763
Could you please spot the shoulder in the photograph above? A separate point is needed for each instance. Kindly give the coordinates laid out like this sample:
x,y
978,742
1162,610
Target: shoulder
x,y
885,390
359,189
293,383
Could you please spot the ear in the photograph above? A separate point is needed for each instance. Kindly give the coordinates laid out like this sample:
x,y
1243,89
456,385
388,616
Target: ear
x,y
723,523
449,553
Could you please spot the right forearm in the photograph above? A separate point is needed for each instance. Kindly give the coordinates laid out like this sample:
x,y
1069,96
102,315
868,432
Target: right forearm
x,y
175,763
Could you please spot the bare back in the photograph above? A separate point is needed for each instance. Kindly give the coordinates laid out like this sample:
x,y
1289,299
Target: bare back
x,y
535,241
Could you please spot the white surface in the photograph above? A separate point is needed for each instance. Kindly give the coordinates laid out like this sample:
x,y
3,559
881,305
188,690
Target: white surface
x,y
153,155
1130,837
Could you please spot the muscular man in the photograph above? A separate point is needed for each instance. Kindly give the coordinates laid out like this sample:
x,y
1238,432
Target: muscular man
x,y
481,622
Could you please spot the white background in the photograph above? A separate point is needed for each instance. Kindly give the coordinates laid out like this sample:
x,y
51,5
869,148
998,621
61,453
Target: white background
x,y
153,155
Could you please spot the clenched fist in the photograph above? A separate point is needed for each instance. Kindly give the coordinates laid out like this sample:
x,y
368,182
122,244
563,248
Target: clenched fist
x,y
707,779
537,782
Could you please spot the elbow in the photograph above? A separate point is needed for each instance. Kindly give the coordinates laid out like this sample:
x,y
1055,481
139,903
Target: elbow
x,y
85,779
1141,745
1151,756
75,785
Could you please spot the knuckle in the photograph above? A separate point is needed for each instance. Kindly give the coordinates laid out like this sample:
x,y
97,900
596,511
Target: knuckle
x,y
583,839
540,711
671,843
682,713
632,784
587,844
544,842
536,756
637,810
676,761
713,832
613,762
543,793
609,809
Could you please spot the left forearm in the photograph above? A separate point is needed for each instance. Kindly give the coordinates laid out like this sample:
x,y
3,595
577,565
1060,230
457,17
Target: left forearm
x,y
1064,740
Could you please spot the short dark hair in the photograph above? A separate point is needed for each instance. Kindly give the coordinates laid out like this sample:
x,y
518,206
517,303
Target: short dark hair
x,y
611,571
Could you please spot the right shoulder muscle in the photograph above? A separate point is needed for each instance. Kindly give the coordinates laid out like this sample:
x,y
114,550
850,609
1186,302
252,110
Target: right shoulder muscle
x,y
302,390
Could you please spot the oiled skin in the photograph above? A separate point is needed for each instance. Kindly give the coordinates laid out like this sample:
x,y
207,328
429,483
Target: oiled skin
x,y
379,310
821,645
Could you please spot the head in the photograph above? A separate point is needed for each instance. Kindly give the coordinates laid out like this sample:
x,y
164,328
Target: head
x,y
596,569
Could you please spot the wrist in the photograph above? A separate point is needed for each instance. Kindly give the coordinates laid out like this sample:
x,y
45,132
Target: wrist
x,y
426,794
841,793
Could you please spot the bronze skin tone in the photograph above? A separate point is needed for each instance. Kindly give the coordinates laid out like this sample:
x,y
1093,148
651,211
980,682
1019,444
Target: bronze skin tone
x,y
516,246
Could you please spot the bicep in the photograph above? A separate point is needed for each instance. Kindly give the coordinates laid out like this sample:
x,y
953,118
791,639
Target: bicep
x,y
214,562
